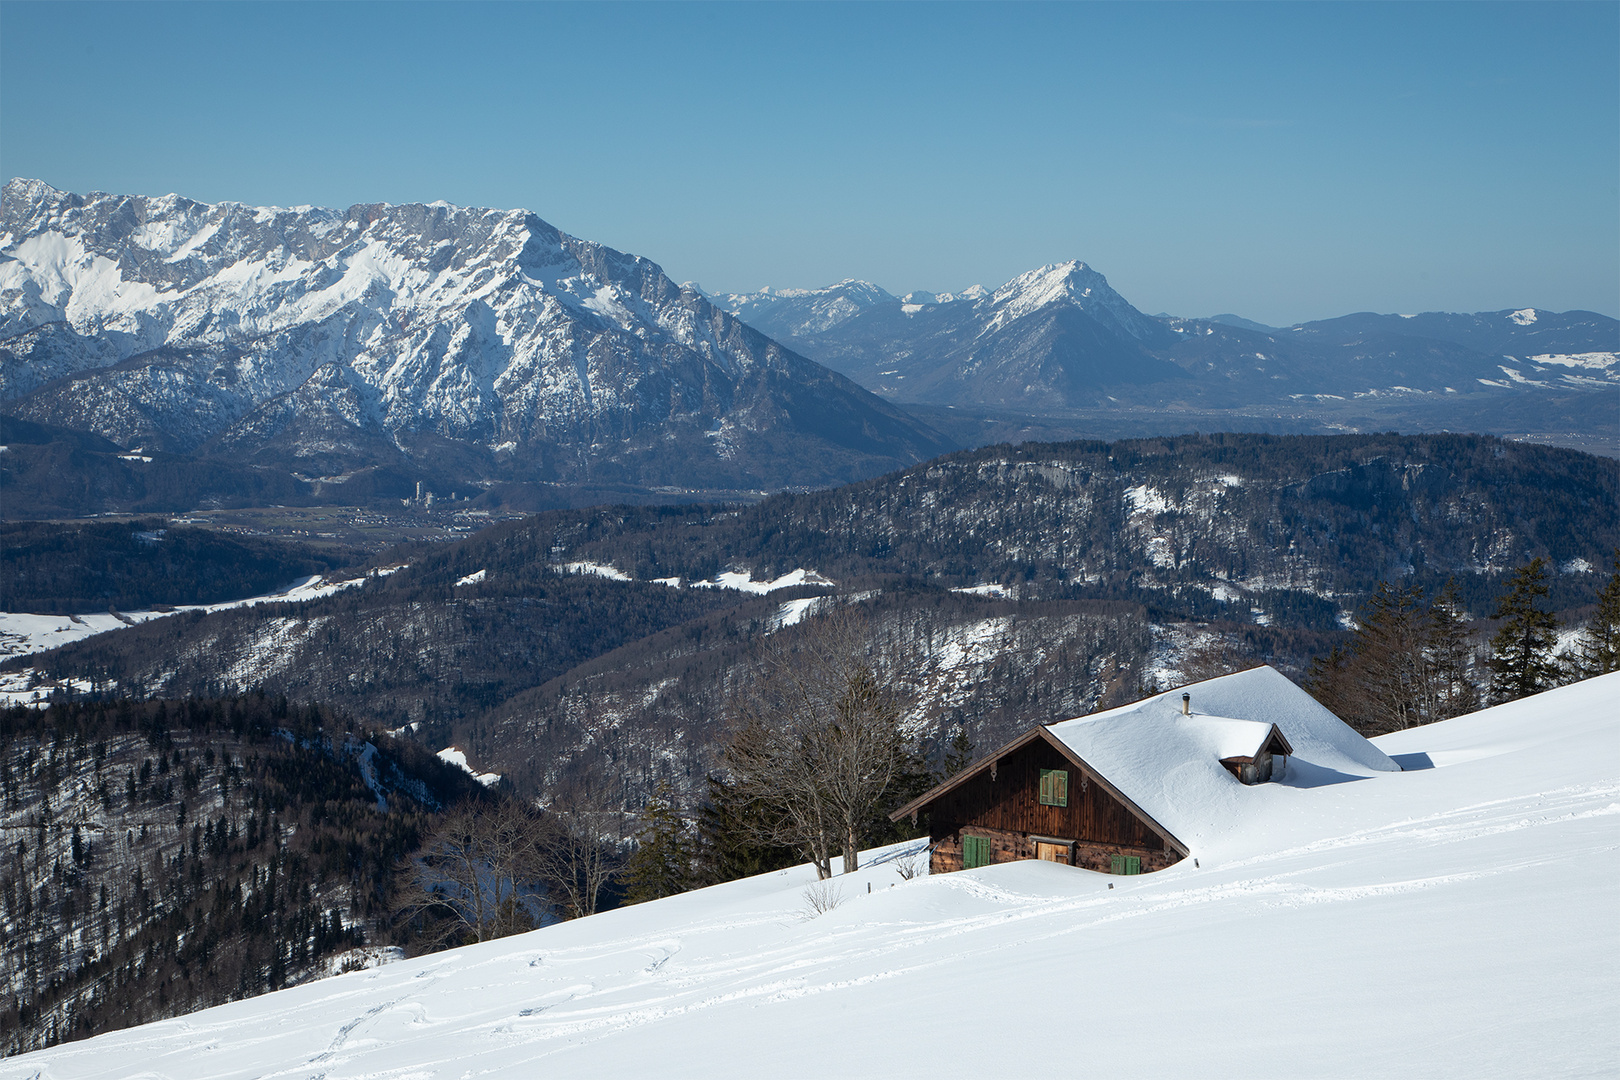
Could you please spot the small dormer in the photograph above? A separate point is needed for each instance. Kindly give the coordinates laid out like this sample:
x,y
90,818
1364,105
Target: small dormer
x,y
1261,766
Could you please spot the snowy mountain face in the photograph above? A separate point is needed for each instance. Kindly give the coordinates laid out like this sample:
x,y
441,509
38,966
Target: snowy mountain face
x,y
1059,338
797,312
350,336
1048,337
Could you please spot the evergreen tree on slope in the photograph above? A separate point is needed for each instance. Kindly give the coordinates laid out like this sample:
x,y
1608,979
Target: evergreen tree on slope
x,y
1598,650
661,864
1522,651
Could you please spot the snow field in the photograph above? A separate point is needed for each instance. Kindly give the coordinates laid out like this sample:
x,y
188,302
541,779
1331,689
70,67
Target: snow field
x,y
1454,921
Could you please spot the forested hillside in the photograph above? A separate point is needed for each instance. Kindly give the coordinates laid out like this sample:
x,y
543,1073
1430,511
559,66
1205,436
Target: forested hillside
x,y
1197,525
89,566
1085,571
161,857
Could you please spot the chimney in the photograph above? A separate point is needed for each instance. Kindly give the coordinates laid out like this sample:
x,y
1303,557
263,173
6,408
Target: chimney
x,y
1186,704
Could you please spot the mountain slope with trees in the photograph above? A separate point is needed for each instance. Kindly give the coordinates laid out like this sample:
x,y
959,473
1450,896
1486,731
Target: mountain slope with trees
x,y
1091,567
164,856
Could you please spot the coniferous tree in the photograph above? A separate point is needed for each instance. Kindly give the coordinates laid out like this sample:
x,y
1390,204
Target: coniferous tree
x,y
661,864
959,755
1597,652
1450,655
728,844
1522,651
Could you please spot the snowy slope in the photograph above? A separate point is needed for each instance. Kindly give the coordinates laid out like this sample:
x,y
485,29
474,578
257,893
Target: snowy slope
x,y
1455,921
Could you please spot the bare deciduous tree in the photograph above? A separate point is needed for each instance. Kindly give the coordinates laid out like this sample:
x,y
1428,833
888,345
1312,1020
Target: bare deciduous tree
x,y
819,741
581,846
1407,665
474,878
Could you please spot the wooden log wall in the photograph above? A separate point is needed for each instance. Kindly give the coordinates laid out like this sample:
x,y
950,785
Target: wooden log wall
x,y
1010,803
1008,846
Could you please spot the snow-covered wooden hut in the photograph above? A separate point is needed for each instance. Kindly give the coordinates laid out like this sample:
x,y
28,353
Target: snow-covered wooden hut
x,y
1143,786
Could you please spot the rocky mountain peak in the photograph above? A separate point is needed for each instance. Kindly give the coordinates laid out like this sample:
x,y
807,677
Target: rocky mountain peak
x,y
1071,283
474,324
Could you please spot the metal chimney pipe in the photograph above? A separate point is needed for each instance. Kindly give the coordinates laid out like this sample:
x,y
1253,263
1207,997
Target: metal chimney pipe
x,y
1186,704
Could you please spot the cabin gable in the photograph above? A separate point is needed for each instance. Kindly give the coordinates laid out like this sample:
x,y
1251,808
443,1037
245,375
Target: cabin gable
x,y
1034,799
1262,765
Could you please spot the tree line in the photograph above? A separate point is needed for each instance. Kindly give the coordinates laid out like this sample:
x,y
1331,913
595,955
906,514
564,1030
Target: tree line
x,y
1412,658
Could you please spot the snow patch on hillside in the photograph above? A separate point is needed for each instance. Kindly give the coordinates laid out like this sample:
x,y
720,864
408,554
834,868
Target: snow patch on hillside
x,y
794,611
743,581
23,634
451,756
1599,361
595,569
1146,500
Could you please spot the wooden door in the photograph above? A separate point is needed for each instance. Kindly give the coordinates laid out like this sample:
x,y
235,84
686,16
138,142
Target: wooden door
x,y
1052,852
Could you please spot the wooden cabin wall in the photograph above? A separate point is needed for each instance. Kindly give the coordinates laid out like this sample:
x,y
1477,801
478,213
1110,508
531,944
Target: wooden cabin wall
x,y
1011,846
1009,806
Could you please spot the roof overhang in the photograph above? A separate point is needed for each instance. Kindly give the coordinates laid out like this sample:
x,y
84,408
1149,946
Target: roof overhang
x,y
1041,734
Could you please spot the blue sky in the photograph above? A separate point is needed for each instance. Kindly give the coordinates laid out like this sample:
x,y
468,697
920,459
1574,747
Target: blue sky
x,y
1280,161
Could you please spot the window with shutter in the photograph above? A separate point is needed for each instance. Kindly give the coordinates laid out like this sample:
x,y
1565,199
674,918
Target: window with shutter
x,y
1054,787
1133,864
975,851
1116,864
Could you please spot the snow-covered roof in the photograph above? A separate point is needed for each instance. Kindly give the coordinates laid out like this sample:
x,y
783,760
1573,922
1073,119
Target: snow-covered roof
x,y
1169,764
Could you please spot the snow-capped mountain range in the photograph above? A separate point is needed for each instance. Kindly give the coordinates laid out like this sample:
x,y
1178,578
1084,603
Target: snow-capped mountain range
x,y
342,339
1060,337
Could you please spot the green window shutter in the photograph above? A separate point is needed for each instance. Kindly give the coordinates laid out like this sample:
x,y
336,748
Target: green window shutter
x,y
1133,864
975,851
1054,787
1116,864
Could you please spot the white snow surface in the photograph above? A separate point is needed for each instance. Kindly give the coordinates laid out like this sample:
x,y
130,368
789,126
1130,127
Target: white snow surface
x,y
1453,921
596,570
1524,316
1599,361
794,611
451,756
1169,764
990,589
743,580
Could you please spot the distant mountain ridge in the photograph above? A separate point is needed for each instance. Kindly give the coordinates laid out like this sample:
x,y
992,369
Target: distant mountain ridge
x,y
416,337
1045,337
1060,339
